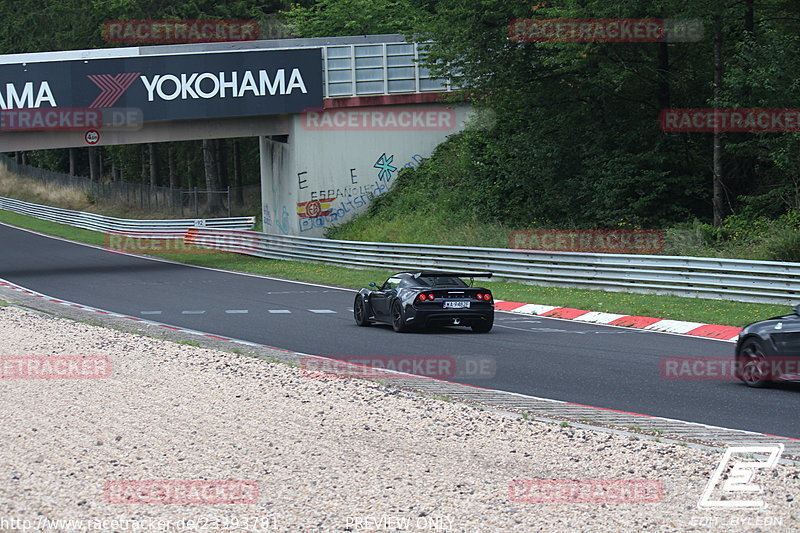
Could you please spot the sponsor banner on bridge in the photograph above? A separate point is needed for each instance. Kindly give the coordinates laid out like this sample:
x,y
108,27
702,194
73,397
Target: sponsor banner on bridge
x,y
171,87
599,241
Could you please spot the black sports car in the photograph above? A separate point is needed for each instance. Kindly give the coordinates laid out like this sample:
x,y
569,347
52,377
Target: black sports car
x,y
415,300
769,350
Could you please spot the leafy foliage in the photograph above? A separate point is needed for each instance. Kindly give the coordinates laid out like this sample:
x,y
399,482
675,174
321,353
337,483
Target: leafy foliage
x,y
329,18
576,139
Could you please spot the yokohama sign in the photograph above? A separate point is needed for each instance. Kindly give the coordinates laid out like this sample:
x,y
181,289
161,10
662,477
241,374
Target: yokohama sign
x,y
187,86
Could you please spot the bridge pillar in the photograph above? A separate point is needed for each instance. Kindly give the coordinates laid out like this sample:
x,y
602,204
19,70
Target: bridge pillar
x,y
337,161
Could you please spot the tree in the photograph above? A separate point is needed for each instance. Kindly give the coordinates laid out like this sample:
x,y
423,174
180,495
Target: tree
x,y
212,180
328,18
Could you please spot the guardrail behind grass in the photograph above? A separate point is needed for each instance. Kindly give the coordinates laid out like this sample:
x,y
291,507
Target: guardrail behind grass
x,y
714,278
164,229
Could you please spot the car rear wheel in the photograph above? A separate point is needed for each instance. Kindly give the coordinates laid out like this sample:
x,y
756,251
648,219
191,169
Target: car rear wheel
x,y
398,320
484,326
360,311
753,367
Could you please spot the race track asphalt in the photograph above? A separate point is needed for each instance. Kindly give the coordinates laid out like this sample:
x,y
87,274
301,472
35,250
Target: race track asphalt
x,y
601,366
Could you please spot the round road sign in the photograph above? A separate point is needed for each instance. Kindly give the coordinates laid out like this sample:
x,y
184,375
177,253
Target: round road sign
x,y
92,137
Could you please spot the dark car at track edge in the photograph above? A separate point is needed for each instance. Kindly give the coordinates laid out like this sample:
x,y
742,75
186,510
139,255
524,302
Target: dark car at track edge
x,y
419,300
769,350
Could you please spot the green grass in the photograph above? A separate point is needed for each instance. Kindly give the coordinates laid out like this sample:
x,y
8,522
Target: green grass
x,y
423,226
189,343
565,425
670,307
4,303
52,228
442,398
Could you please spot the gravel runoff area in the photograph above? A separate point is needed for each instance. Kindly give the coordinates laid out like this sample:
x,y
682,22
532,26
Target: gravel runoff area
x,y
304,453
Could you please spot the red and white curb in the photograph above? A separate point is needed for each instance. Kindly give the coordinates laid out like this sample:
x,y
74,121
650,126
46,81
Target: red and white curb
x,y
695,329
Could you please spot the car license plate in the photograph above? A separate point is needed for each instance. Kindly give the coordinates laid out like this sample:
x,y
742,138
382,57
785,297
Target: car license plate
x,y
456,304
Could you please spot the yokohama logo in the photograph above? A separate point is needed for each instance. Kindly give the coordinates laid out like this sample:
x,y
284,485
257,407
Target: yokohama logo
x,y
112,87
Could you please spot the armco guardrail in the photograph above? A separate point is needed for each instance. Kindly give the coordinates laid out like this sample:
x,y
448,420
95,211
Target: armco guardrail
x,y
723,279
165,229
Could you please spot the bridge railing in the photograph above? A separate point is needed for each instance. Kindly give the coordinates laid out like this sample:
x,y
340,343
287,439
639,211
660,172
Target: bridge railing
x,y
377,69
723,279
167,228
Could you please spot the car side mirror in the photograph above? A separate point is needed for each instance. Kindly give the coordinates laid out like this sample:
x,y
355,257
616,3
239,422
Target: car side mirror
x,y
373,284
796,309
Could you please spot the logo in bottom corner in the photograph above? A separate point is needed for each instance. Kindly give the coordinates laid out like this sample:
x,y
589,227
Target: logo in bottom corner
x,y
734,478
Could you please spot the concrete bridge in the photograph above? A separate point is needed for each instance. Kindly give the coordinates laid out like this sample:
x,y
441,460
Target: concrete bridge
x,y
337,118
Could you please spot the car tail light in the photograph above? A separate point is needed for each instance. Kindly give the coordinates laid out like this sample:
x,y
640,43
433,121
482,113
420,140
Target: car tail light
x,y
422,297
487,297
479,296
431,296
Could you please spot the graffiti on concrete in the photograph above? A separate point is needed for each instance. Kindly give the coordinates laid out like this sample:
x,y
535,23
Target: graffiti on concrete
x,y
416,160
344,207
283,221
267,216
315,208
385,168
319,210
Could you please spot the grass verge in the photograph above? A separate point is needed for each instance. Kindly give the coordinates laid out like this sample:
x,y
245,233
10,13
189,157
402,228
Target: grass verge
x,y
670,307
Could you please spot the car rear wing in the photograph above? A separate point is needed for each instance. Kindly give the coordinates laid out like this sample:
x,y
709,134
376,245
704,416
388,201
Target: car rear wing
x,y
436,274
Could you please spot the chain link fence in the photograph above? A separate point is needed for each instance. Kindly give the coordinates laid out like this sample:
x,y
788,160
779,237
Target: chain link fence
x,y
142,196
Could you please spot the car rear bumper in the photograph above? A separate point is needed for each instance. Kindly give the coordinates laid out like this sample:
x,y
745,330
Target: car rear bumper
x,y
451,317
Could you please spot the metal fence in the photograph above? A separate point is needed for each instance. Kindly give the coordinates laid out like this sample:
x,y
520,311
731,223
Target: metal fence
x,y
186,202
722,279
377,69
169,228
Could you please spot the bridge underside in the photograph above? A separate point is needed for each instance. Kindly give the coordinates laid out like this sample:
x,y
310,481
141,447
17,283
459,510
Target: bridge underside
x,y
151,132
337,118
